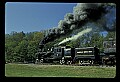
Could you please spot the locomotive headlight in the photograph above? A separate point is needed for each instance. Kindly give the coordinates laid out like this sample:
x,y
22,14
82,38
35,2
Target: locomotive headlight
x,y
90,61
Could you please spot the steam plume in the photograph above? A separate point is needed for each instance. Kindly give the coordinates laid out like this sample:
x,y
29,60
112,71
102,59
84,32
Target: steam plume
x,y
76,36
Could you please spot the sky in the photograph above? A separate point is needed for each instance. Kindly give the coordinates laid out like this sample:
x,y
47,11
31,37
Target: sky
x,y
31,16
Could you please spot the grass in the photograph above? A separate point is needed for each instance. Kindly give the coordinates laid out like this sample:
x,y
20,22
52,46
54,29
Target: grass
x,y
34,70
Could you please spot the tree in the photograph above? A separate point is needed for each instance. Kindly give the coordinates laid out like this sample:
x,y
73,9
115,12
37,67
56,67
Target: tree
x,y
38,36
31,50
8,54
22,50
110,35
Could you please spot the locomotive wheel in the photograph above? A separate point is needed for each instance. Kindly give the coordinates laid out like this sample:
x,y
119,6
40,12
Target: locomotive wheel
x,y
69,62
91,62
61,62
36,61
41,60
80,62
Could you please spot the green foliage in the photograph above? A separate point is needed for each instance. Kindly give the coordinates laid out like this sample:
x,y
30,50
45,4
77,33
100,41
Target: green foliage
x,y
111,35
20,46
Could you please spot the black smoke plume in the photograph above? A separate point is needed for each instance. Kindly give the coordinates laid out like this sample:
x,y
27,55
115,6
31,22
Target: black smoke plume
x,y
103,14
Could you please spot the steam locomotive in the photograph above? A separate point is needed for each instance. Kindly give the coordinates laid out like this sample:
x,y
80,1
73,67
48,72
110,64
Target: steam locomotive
x,y
79,56
68,55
